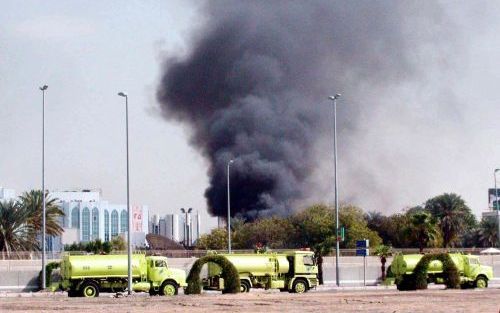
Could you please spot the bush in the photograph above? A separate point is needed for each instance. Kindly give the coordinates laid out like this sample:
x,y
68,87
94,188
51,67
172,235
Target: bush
x,y
406,282
49,267
229,274
450,272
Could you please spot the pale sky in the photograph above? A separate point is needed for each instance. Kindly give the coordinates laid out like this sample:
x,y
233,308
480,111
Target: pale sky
x,y
88,51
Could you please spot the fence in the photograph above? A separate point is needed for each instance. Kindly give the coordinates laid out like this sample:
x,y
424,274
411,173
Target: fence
x,y
37,255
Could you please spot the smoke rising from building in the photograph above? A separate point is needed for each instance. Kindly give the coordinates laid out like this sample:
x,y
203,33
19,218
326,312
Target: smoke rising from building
x,y
254,88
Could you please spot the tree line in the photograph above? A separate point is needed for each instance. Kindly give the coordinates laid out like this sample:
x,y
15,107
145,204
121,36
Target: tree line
x,y
441,222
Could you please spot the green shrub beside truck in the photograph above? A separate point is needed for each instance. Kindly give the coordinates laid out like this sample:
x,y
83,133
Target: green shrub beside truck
x,y
471,272
293,271
87,275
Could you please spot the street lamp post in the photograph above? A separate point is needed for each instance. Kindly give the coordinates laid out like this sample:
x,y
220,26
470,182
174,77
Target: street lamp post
x,y
496,201
229,208
129,243
44,282
337,243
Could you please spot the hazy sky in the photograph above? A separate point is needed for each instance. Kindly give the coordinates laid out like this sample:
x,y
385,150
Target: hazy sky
x,y
87,51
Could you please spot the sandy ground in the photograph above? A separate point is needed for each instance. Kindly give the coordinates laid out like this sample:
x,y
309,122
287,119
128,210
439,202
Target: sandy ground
x,y
386,300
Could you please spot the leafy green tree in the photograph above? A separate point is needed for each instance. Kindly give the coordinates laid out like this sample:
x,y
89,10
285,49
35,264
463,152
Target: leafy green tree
x,y
16,234
390,228
356,227
422,229
488,232
315,229
32,202
216,240
106,247
272,232
118,243
454,217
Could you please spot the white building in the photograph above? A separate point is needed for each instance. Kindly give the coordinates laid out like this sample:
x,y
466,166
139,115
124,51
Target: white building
x,y
175,227
88,217
7,194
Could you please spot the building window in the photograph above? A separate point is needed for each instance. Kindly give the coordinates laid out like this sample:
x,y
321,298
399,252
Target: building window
x,y
95,223
85,224
106,225
123,221
114,223
75,218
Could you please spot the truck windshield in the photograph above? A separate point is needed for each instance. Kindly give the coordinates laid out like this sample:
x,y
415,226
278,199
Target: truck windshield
x,y
160,263
473,261
308,260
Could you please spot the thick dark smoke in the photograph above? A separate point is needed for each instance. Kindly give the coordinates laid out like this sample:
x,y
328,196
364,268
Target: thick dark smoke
x,y
254,86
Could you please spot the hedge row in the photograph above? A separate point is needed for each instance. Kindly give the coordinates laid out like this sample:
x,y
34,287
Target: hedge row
x,y
229,274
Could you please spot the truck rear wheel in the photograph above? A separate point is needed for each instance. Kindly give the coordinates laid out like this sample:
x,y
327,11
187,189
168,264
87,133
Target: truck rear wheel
x,y
168,288
299,286
245,286
481,282
90,290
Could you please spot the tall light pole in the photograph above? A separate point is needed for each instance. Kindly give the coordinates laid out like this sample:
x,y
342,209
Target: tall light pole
x,y
337,243
229,208
496,202
44,283
129,229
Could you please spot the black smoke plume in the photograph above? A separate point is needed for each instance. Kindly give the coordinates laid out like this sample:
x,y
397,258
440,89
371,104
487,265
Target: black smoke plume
x,y
254,88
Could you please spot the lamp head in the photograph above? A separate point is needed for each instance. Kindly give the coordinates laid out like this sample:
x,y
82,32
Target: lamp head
x,y
231,161
122,94
190,210
335,97
497,170
44,87
182,210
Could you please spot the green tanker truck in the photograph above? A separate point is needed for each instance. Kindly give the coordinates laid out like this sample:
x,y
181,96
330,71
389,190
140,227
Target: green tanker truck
x,y
471,272
293,271
87,275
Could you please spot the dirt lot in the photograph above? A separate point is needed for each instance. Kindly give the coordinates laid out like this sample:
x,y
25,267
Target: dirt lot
x,y
486,300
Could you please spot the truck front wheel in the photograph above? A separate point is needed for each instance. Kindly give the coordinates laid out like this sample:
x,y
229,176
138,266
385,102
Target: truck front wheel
x,y
168,288
90,290
481,282
245,286
299,286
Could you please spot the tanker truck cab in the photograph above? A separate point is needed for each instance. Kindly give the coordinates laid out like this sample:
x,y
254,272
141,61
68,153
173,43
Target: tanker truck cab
x,y
477,274
303,271
164,280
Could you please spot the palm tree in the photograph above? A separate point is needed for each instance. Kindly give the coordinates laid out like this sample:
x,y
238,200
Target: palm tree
x,y
422,228
383,252
488,232
32,201
21,222
454,216
16,234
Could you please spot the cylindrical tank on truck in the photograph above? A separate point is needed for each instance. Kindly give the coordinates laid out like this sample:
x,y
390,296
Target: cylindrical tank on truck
x,y
471,272
293,271
87,275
